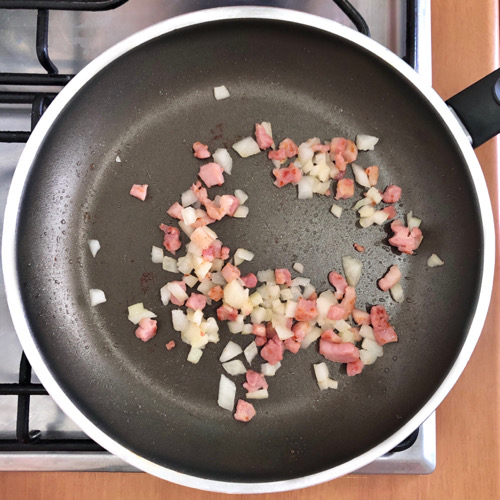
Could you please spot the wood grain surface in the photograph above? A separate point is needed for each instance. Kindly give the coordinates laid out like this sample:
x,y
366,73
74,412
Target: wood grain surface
x,y
465,48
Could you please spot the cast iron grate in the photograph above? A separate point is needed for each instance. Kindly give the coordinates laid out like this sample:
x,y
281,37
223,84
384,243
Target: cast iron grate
x,y
32,440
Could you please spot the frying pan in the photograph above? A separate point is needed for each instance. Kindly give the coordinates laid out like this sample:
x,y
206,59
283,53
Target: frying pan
x,y
148,99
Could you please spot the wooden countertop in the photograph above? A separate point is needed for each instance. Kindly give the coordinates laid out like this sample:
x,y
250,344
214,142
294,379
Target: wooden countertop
x,y
465,48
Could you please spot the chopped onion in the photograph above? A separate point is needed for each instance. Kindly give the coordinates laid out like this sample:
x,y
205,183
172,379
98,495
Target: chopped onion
x,y
203,270
282,331
269,370
367,211
237,325
136,312
250,352
169,264
187,230
165,295
227,393
336,210
397,292
188,198
179,320
314,334
278,307
374,195
241,212
247,328
268,129
291,307
366,222
266,276
96,297
412,221
341,325
360,175
242,255
246,147
197,317
205,286
118,159
194,355
371,345
308,291
286,294
366,142
256,298
305,187
260,394
94,246
321,372
434,261
218,278
157,255
217,265
258,315
347,336
235,294
328,384
223,158
362,202
301,281
235,367
177,291
221,92
367,357
352,269
190,280
366,332
380,217
299,267
230,351
188,215
305,153
241,195
325,300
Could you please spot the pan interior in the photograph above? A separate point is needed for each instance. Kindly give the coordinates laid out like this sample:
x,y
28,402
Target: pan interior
x,y
149,107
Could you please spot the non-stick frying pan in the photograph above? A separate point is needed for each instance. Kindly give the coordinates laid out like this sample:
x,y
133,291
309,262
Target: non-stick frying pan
x,y
147,100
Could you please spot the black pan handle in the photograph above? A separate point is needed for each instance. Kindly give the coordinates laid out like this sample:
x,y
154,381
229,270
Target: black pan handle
x,y
478,106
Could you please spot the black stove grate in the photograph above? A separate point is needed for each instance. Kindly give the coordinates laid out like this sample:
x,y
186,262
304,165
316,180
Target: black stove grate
x,y
32,440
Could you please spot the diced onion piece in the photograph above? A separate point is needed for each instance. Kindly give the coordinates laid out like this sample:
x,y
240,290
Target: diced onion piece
x,y
197,317
336,210
227,393
366,332
269,370
250,352
241,195
188,198
230,351
205,286
413,222
260,394
366,142
96,297
325,300
305,153
187,230
321,372
328,384
371,345
136,312
94,246
360,175
190,280
341,325
157,255
291,307
234,367
374,195
179,320
282,331
203,270
237,325
278,307
366,211
177,291
241,212
367,357
223,158
365,222
256,298
218,278
118,159
314,334
194,355
301,281
221,92
362,203
188,215
268,129
434,261
347,336
169,264
258,315
380,217
305,187
247,328
235,294
299,267
246,147
352,269
242,255
308,291
266,276
397,292
286,294
165,295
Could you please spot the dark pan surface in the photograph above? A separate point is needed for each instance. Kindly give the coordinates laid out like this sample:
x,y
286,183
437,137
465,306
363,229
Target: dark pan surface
x,y
149,106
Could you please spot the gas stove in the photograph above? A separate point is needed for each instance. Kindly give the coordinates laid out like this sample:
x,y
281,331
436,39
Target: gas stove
x,y
43,44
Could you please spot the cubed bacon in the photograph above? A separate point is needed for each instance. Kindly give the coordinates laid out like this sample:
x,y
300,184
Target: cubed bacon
x,y
224,253
264,140
244,411
337,145
341,353
344,147
341,165
372,173
355,368
390,211
300,330
230,272
321,148
345,189
200,192
278,154
139,191
404,240
390,279
201,238
170,345
202,220
289,147
174,299
196,301
216,293
201,150
288,175
171,239
211,174
360,317
336,313
260,341
214,251
306,310
255,381
175,211
227,313
259,330
283,277
392,194
146,329
339,282
225,205
351,151
359,248
272,352
250,280
345,308
383,331
331,336
291,345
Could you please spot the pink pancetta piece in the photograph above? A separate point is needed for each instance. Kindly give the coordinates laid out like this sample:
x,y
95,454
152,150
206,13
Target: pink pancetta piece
x,y
345,189
306,310
214,251
224,253
358,248
300,330
341,353
321,148
201,238
344,147
196,301
288,175
390,211
339,282
283,277
227,313
360,317
171,239
175,211
355,368
201,150
291,149
392,194
230,272
216,293
383,331
272,352
264,140
146,329
404,240
250,280
202,220
255,381
291,345
139,191
259,330
174,299
351,152
336,313
331,336
211,174
345,308
244,411
372,173
390,278
170,345
278,154
221,206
